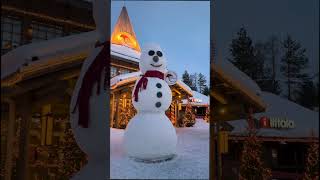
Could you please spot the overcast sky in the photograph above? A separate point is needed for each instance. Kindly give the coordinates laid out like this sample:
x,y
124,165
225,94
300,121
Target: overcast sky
x,y
181,28
262,18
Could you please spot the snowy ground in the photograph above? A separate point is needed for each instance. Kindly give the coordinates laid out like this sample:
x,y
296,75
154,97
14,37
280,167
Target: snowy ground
x,y
192,161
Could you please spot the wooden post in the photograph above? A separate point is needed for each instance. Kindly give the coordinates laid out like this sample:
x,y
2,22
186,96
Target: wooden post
x,y
26,115
219,159
112,110
10,136
117,99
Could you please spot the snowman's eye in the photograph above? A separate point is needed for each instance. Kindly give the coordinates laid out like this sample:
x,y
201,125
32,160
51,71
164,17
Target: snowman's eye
x,y
159,53
151,53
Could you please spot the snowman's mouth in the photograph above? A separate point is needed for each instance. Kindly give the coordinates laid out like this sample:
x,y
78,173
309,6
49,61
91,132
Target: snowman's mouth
x,y
156,65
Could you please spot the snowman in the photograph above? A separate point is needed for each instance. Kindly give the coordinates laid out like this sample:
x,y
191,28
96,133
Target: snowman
x,y
90,102
150,135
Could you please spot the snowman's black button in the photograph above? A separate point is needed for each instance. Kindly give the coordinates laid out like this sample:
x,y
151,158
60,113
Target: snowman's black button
x,y
158,85
159,94
158,104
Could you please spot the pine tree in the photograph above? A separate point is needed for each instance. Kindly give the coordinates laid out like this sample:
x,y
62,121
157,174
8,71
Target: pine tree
x,y
206,91
307,94
186,78
202,82
242,52
252,167
272,51
312,163
261,76
194,80
293,62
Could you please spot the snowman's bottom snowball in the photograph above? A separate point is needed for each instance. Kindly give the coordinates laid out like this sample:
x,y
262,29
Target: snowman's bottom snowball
x,y
149,137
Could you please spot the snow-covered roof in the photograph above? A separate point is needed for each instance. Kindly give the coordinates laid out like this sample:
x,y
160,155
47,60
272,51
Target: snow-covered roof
x,y
305,120
129,77
56,51
50,50
125,52
200,99
238,79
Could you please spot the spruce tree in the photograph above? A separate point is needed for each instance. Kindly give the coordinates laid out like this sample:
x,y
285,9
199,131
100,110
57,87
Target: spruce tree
x,y
272,49
194,83
307,94
242,51
206,91
201,82
186,78
293,62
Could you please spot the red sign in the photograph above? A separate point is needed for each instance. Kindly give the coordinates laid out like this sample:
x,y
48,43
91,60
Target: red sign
x,y
264,122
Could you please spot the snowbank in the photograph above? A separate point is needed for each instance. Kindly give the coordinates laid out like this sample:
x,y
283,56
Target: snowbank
x,y
192,161
305,120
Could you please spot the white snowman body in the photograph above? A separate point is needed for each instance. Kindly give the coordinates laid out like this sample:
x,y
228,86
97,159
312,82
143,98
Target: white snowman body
x,y
92,139
150,134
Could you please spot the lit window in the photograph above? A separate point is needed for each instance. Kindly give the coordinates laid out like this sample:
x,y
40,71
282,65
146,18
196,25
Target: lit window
x,y
113,71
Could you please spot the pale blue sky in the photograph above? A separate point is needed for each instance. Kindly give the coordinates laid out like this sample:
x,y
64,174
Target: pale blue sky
x,y
182,28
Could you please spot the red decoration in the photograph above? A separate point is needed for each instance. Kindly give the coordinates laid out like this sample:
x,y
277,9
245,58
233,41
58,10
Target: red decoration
x,y
92,76
142,83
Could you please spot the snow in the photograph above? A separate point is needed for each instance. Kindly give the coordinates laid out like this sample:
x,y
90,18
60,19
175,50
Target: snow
x,y
305,120
237,78
204,100
150,136
125,52
55,50
191,162
90,139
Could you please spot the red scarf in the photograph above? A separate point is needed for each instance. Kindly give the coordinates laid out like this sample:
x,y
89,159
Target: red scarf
x,y
91,77
143,82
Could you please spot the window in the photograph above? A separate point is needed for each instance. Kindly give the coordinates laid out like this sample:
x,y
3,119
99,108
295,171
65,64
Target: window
x,y
42,32
10,33
113,71
124,71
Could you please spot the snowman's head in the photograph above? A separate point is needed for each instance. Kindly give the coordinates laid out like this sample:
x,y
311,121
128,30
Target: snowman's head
x,y
152,58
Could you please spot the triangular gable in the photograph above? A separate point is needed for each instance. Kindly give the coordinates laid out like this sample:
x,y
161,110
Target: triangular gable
x,y
123,33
